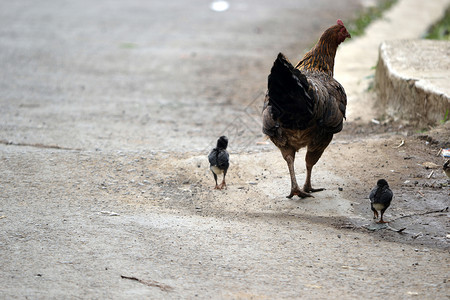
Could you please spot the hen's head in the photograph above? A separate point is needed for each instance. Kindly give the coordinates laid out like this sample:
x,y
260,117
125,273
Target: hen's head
x,y
337,33
342,32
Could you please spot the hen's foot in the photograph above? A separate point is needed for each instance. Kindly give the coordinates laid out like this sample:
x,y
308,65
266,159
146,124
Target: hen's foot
x,y
217,187
299,193
382,222
311,190
222,185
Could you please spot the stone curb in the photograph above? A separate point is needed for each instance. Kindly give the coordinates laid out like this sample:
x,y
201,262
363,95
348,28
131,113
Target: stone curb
x,y
407,19
412,80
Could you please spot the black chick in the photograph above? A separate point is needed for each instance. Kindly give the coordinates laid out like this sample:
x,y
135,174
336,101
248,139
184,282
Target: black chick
x,y
446,168
380,199
219,161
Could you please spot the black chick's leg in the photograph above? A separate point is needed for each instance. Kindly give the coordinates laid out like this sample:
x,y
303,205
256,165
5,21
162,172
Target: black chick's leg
x,y
289,156
381,218
215,178
223,184
375,213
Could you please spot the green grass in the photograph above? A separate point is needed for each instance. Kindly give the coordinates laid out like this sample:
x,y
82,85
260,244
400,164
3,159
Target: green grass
x,y
445,119
127,45
440,30
357,26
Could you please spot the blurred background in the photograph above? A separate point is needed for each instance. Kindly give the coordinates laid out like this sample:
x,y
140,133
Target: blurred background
x,y
157,75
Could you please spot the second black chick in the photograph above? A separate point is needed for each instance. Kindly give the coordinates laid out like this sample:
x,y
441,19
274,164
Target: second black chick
x,y
219,161
446,168
380,199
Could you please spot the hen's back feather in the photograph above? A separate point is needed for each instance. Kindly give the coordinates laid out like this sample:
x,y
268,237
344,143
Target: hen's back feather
x,y
288,95
301,99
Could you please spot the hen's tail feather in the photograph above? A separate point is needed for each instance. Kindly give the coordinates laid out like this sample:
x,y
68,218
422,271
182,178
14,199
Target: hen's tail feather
x,y
288,88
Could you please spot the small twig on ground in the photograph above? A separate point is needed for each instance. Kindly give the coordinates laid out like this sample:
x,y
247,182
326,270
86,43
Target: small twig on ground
x,y
37,145
380,226
109,213
424,213
397,230
431,174
421,194
161,286
401,144
417,235
347,226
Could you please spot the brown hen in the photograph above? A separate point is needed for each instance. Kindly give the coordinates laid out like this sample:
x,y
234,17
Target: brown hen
x,y
305,105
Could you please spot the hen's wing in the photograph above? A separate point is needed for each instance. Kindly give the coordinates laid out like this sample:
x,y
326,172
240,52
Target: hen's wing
x,y
297,100
288,103
330,101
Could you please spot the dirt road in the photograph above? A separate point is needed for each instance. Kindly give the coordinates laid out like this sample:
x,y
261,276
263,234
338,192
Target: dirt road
x,y
108,113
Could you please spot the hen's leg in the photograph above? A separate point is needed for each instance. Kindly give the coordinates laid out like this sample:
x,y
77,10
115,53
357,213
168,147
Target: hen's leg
x,y
311,158
289,156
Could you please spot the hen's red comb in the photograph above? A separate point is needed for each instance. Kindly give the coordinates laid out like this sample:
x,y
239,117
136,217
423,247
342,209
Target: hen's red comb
x,y
339,22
